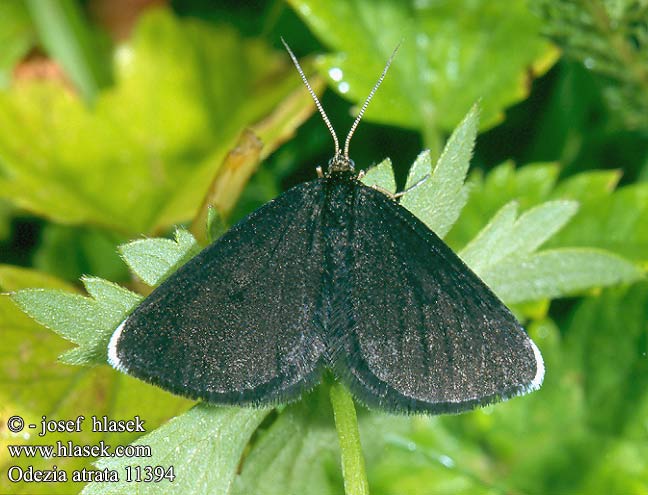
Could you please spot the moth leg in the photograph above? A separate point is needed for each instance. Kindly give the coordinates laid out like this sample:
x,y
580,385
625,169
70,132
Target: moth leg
x,y
320,173
387,193
395,196
361,174
422,180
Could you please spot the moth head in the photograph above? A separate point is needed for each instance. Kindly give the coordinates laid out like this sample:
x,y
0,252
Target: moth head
x,y
340,161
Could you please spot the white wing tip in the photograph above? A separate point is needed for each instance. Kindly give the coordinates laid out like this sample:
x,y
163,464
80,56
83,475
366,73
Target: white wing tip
x,y
540,369
113,359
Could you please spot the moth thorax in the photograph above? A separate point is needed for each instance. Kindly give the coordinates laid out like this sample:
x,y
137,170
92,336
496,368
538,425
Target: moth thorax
x,y
340,163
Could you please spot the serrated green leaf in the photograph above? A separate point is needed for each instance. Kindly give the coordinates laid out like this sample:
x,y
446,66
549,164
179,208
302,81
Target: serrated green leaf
x,y
34,384
606,219
484,248
153,260
204,446
507,236
557,273
539,224
420,170
158,136
110,295
61,312
297,454
438,200
87,321
439,71
382,175
528,185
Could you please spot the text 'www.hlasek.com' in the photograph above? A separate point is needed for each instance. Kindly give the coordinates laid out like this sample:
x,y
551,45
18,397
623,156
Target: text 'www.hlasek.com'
x,y
30,462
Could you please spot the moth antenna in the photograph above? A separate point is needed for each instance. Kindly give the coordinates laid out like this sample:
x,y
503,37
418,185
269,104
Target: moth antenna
x,y
366,103
314,96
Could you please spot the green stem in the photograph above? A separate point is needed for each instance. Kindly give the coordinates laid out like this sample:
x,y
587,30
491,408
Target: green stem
x,y
346,423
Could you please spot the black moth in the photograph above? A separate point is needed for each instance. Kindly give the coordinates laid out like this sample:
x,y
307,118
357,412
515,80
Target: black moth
x,y
331,275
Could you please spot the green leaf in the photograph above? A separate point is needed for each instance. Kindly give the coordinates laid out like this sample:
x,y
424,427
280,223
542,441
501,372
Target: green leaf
x,y
382,175
505,235
504,254
528,186
297,454
608,219
90,321
157,137
484,249
204,446
16,37
153,260
87,321
439,199
34,384
439,71
557,273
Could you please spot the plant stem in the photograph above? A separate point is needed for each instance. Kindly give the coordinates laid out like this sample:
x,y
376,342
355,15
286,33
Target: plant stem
x,y
346,423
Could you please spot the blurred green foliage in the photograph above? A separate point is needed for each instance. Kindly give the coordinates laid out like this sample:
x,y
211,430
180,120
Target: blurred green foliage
x,y
439,73
132,164
124,138
610,38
